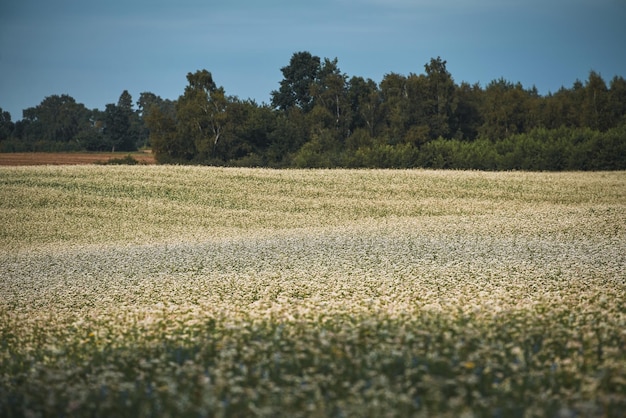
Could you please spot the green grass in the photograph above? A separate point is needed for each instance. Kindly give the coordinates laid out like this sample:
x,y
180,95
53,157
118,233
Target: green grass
x,y
190,291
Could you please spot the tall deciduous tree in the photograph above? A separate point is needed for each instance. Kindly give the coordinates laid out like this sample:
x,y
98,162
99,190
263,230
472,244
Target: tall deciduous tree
x,y
167,147
245,137
418,111
201,113
147,101
468,118
56,119
295,87
440,103
595,112
504,110
365,102
394,103
329,92
291,131
617,101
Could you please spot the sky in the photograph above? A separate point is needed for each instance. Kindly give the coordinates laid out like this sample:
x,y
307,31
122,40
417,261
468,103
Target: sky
x,y
93,50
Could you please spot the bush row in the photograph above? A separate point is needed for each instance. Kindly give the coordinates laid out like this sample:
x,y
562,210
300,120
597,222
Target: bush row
x,y
539,150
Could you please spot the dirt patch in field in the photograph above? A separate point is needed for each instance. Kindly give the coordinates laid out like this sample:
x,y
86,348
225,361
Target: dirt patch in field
x,y
71,158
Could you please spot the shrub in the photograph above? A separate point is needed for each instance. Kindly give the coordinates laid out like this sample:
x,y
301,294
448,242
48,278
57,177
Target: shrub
x,y
126,160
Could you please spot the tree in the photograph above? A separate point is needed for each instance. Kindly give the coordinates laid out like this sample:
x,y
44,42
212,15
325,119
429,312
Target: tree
x,y
419,108
147,101
555,107
439,101
505,110
298,77
365,101
55,119
467,115
167,146
6,126
201,113
116,126
417,111
125,101
329,93
194,130
617,101
291,131
595,112
394,97
247,132
92,138
121,129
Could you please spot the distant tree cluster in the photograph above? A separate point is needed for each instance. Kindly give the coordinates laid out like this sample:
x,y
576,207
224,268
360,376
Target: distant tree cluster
x,y
321,117
59,123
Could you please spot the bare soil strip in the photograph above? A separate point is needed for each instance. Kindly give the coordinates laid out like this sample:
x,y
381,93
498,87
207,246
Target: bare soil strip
x,y
70,158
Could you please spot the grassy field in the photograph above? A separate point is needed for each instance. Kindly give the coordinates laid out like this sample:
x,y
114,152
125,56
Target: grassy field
x,y
192,291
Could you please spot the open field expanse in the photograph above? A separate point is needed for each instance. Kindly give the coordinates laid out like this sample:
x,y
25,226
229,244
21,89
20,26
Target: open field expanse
x,y
70,158
193,291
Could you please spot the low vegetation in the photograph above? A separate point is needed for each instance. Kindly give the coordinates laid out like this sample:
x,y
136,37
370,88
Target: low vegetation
x,y
194,291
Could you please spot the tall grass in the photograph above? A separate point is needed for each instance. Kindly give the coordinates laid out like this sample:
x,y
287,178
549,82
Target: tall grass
x,y
189,291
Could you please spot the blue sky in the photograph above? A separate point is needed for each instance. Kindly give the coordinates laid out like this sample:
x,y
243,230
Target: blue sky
x,y
93,50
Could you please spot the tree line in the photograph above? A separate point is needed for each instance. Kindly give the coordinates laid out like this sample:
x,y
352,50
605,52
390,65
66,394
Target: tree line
x,y
59,123
321,117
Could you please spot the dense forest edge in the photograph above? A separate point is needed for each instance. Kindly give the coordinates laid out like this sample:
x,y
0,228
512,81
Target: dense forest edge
x,y
322,118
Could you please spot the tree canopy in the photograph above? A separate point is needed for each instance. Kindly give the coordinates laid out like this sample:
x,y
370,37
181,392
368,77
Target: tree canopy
x,y
322,117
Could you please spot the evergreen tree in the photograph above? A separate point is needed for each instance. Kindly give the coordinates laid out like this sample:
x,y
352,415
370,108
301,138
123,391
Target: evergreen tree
x,y
121,129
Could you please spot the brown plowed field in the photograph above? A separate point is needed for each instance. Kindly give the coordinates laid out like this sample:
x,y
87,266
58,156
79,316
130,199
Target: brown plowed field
x,y
70,158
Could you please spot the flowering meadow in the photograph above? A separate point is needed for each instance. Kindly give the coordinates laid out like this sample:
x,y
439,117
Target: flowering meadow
x,y
165,291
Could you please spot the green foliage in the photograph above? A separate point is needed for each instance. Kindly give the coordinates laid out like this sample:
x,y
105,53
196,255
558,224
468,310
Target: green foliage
x,y
290,134
192,130
147,101
381,155
55,119
120,127
168,147
320,152
295,88
506,110
439,102
537,150
16,145
6,126
365,101
321,117
126,160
